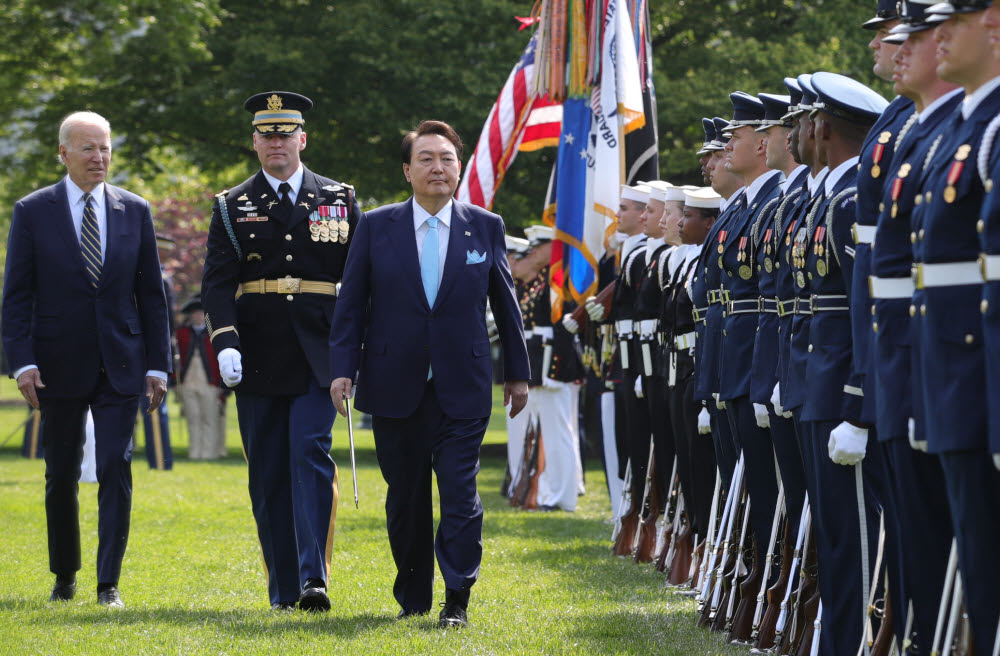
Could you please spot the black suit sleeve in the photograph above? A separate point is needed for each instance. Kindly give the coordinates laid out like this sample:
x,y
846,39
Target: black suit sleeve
x,y
18,293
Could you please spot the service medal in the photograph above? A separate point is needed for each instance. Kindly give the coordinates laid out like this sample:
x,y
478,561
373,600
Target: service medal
x,y
949,194
745,272
344,228
324,231
876,171
821,267
800,279
720,262
768,266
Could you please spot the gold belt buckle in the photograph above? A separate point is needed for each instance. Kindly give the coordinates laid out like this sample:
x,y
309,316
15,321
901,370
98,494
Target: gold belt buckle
x,y
917,273
289,285
982,265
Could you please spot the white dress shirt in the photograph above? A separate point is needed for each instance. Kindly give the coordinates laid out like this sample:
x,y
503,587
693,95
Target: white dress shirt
x,y
420,216
295,182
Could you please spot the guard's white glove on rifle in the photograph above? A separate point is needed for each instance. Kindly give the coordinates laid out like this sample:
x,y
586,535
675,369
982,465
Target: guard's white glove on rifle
x,y
776,402
996,460
594,309
570,324
231,366
848,444
721,405
704,422
638,388
911,434
761,415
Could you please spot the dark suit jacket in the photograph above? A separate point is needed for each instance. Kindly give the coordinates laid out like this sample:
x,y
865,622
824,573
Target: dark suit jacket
x,y
54,318
384,335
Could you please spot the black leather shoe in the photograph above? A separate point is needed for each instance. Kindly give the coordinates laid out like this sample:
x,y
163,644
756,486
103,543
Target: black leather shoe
x,y
453,615
110,598
64,589
283,605
314,596
403,614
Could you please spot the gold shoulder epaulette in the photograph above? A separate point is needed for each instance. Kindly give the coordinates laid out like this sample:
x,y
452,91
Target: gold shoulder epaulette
x,y
222,194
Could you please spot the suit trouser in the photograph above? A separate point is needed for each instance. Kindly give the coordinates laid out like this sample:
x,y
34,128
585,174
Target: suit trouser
x,y
836,525
63,435
156,427
726,454
923,529
558,410
408,450
760,477
695,456
793,478
974,497
293,484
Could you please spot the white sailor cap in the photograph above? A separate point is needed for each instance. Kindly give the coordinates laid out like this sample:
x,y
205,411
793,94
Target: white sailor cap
x,y
658,189
702,198
639,193
537,234
847,98
516,245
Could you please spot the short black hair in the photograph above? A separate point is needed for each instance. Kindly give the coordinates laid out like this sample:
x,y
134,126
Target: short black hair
x,y
430,127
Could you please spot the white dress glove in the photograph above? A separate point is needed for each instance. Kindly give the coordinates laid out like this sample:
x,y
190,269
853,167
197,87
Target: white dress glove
x,y
721,405
911,434
776,402
996,460
638,388
594,310
761,415
231,366
704,422
570,324
848,444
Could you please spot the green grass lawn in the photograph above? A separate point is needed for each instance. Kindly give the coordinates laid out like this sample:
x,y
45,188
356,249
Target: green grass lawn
x,y
193,580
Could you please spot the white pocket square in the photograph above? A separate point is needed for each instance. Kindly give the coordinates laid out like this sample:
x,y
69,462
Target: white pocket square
x,y
473,257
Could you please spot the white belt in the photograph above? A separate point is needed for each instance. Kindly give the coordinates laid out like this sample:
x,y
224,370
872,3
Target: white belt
x,y
647,327
863,234
685,341
989,266
949,274
528,333
623,327
890,287
545,332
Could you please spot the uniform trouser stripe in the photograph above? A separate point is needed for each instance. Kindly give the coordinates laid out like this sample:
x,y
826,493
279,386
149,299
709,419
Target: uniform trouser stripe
x,y
333,521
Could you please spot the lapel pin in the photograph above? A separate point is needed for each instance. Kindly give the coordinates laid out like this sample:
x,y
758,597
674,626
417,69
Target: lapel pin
x,y
304,204
310,195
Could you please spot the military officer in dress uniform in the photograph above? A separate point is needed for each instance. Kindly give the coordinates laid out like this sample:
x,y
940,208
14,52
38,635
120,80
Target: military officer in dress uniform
x,y
281,239
917,516
947,308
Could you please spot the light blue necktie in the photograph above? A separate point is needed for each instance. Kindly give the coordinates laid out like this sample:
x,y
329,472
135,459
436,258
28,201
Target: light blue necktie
x,y
429,261
429,267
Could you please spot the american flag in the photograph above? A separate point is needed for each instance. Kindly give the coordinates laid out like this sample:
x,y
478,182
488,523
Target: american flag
x,y
503,132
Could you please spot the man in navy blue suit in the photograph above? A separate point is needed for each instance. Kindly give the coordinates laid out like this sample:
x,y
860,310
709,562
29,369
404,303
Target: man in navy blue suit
x,y
84,311
410,328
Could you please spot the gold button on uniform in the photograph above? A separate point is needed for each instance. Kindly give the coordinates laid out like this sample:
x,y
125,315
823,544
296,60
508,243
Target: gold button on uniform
x,y
920,235
923,310
919,199
913,310
913,237
969,339
874,326
252,235
289,297
810,348
288,238
928,196
873,310
980,226
288,257
984,306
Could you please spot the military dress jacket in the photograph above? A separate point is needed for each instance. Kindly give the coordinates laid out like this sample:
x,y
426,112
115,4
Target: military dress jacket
x,y
796,195
989,239
283,336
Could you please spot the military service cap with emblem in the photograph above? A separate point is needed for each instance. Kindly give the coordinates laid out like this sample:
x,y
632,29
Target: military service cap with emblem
x,y
277,112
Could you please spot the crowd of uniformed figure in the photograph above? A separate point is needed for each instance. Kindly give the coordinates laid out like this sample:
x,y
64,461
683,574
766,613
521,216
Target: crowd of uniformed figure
x,y
796,368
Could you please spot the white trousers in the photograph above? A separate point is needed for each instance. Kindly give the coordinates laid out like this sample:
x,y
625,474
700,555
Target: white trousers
x,y
558,406
205,419
615,484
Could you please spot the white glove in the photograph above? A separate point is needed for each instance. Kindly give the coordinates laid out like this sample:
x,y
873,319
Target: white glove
x,y
231,366
761,415
721,405
550,383
776,402
570,324
996,460
616,240
638,388
595,310
704,422
911,434
848,444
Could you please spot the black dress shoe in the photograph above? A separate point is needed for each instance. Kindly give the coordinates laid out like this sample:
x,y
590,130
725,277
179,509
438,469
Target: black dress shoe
x,y
314,596
403,614
453,615
64,589
283,605
109,597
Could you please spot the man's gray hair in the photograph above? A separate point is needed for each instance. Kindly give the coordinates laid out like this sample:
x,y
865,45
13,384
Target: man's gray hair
x,y
80,118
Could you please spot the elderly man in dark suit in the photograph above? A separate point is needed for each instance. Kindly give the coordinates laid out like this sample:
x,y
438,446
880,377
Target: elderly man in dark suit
x,y
414,295
85,325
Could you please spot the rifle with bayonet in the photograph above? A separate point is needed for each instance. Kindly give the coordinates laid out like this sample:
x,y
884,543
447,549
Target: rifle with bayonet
x,y
644,543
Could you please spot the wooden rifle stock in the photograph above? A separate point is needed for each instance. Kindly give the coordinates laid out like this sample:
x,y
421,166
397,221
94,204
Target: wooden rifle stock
x,y
735,567
680,565
808,628
664,538
884,638
806,603
532,465
764,638
742,624
644,546
603,297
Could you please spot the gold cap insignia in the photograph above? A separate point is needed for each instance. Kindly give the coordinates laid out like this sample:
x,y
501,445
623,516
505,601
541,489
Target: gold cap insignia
x,y
274,102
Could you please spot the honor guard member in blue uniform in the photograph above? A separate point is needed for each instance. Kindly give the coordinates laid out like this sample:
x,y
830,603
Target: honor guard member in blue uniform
x,y
949,282
696,465
709,310
843,113
746,158
918,520
282,238
763,378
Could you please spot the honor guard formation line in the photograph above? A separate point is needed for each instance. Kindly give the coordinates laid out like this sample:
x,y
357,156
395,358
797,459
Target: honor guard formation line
x,y
800,364
794,370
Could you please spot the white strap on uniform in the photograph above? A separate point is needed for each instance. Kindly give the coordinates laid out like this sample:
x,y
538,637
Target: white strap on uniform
x,y
863,234
545,332
948,274
685,341
647,327
990,266
624,327
890,287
